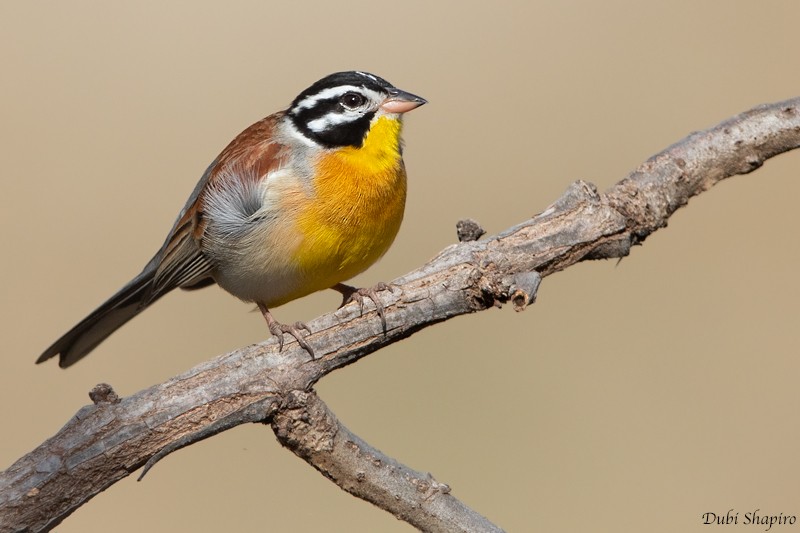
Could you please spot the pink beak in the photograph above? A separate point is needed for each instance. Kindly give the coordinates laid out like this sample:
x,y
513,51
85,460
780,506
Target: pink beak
x,y
401,102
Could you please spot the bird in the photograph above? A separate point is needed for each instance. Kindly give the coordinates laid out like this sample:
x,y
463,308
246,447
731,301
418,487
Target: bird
x,y
300,201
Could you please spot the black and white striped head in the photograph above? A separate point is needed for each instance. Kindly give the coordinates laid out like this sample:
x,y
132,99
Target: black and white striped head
x,y
339,109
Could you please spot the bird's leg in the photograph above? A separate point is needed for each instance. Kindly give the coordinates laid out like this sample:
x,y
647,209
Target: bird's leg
x,y
278,329
352,294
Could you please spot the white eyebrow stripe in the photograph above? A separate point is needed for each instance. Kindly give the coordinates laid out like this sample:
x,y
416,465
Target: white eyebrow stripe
x,y
311,101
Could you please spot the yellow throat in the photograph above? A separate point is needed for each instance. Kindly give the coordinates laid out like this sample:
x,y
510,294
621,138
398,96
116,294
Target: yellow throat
x,y
357,209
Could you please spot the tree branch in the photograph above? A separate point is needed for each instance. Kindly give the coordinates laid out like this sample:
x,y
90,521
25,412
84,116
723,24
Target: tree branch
x,y
107,441
308,428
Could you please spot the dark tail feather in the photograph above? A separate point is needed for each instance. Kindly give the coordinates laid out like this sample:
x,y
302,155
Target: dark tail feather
x,y
131,300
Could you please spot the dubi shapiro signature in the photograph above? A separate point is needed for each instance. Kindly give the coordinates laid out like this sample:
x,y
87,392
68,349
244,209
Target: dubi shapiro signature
x,y
756,517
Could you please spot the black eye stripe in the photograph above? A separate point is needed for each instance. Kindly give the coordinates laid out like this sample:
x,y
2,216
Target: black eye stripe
x,y
349,97
320,109
339,129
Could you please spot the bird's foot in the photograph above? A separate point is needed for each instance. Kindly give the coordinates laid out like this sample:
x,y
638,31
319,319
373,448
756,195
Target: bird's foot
x,y
295,330
353,294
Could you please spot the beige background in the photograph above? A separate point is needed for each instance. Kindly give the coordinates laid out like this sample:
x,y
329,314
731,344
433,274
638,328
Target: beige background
x,y
630,397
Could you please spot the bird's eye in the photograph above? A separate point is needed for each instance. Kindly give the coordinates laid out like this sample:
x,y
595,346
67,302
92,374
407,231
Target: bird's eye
x,y
352,100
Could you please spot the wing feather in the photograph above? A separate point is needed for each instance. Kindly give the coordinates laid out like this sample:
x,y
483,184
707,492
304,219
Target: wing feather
x,y
180,262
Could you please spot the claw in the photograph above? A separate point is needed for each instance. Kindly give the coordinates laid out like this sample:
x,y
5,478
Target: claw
x,y
278,329
352,294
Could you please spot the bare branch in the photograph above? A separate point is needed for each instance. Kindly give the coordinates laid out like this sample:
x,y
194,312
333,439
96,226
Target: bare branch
x,y
308,428
107,441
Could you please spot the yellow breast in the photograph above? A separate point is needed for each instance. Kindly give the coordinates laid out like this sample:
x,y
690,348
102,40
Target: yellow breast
x,y
358,205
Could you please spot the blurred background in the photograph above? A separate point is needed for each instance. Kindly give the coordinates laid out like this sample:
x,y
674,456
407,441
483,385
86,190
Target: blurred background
x,y
633,395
